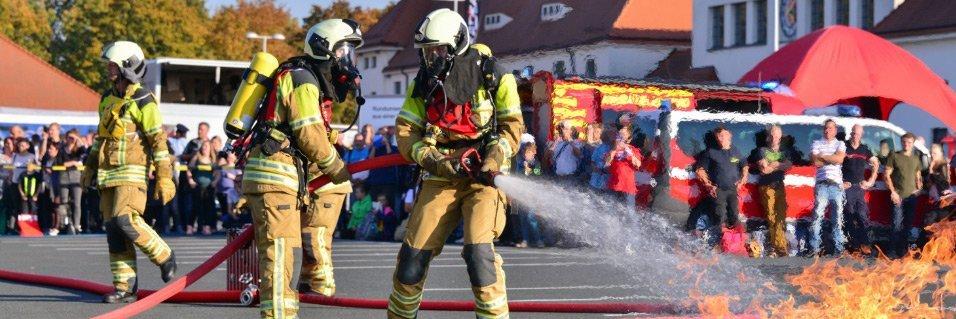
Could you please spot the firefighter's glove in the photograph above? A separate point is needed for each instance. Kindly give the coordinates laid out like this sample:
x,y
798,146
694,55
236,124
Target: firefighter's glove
x,y
337,171
165,190
493,157
440,165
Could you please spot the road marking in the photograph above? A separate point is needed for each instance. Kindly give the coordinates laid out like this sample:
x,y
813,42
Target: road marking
x,y
587,287
462,265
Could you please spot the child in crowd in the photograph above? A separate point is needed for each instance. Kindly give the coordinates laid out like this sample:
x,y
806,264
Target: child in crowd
x,y
622,162
30,184
528,165
386,218
360,208
227,193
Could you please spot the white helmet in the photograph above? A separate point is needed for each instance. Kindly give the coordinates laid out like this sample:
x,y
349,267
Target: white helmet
x,y
443,27
325,37
129,57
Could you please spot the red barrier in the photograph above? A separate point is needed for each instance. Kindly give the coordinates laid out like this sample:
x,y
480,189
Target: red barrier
x,y
173,292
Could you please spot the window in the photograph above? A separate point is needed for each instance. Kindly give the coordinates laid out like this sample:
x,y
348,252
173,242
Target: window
x,y
716,27
398,87
554,11
694,136
842,12
559,70
365,63
495,21
761,9
590,68
873,135
374,61
816,14
866,14
740,23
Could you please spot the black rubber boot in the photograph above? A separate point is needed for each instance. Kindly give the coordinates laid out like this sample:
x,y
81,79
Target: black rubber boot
x,y
168,268
305,288
119,297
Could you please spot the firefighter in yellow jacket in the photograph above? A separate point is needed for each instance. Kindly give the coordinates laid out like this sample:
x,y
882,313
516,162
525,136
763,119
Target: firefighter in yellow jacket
x,y
130,141
457,107
318,226
294,132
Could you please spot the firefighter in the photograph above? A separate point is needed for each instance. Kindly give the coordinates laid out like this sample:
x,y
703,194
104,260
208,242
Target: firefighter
x,y
130,141
318,226
455,108
294,132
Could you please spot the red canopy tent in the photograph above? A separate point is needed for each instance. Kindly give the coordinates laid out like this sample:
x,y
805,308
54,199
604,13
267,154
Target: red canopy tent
x,y
840,64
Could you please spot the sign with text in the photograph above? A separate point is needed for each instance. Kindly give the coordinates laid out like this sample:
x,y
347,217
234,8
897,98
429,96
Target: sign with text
x,y
380,111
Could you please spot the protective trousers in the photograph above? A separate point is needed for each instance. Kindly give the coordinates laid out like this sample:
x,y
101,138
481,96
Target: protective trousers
x,y
318,226
438,210
773,198
122,208
276,219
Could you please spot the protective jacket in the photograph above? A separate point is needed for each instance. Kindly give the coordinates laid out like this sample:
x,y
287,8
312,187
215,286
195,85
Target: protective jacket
x,y
436,119
130,138
297,101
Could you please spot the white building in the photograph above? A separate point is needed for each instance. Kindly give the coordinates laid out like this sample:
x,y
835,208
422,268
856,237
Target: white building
x,y
734,35
626,38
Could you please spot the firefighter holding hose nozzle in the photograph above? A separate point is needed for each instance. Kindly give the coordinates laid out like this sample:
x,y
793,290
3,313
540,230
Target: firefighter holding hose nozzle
x,y
460,122
285,139
130,139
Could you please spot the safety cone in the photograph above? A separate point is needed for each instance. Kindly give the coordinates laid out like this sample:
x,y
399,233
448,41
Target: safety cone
x,y
29,227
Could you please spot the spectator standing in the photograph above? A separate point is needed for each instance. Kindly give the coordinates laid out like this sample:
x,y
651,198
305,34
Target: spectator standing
x,y
200,171
21,160
384,180
855,185
592,140
49,201
357,153
529,166
178,140
187,193
71,156
938,175
599,173
226,191
30,183
773,161
6,196
622,163
904,181
722,172
827,155
566,152
387,218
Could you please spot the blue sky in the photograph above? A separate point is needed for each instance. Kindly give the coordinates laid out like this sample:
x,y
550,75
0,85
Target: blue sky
x,y
300,9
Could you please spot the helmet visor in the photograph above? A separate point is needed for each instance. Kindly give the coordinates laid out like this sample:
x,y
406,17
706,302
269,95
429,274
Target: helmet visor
x,y
344,53
435,54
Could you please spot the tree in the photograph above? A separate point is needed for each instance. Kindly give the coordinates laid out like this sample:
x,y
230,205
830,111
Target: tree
x,y
161,27
26,23
341,9
231,23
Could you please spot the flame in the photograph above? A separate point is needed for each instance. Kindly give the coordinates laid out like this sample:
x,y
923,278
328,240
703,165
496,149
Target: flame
x,y
914,286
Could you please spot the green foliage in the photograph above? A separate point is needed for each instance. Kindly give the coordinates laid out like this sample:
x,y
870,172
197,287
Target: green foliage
x,y
174,28
26,23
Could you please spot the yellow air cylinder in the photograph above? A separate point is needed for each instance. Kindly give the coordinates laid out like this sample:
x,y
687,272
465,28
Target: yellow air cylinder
x,y
245,104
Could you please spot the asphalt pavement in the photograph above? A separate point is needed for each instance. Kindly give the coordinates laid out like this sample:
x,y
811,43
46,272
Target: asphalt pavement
x,y
362,270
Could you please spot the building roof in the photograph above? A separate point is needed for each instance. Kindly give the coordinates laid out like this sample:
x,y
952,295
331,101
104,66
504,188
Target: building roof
x,y
589,21
677,66
26,81
919,17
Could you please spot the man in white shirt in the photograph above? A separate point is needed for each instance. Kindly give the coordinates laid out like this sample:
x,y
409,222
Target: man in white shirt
x,y
565,151
827,155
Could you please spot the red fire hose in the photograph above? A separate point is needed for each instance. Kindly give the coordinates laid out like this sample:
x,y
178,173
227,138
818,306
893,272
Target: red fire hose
x,y
173,292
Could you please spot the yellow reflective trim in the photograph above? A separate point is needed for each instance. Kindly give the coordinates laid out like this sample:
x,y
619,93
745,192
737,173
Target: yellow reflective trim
x,y
297,124
155,130
273,179
418,151
261,164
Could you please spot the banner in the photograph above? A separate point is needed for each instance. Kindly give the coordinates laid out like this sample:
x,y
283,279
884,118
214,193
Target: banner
x,y
570,98
473,21
380,111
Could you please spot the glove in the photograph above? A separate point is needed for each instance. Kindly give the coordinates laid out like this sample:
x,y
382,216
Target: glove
x,y
493,157
439,165
165,190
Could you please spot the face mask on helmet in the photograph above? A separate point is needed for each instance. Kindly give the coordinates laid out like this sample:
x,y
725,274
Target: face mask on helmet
x,y
345,76
436,60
